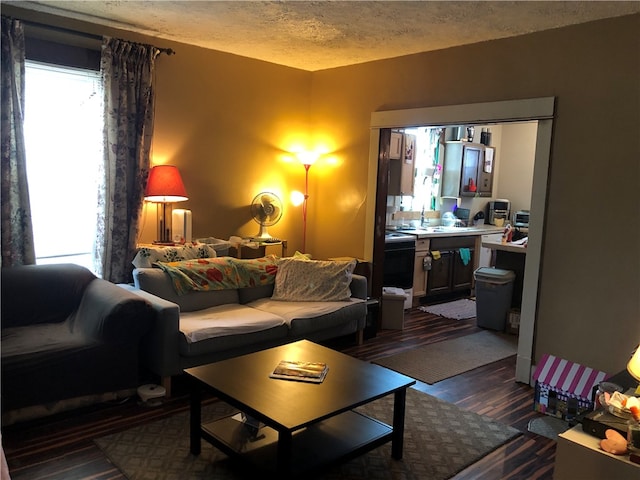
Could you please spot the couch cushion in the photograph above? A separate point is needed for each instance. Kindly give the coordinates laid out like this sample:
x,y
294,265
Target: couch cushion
x,y
157,282
46,363
247,295
39,340
226,320
308,317
313,280
217,348
223,273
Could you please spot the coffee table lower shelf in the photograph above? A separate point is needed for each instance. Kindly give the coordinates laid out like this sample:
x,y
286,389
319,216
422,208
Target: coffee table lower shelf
x,y
325,443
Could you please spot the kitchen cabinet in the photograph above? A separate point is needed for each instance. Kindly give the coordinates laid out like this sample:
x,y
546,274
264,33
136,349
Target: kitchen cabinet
x,y
448,272
395,148
467,170
420,269
401,171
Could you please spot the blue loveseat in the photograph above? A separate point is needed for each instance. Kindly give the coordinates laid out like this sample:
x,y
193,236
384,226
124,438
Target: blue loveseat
x,y
67,336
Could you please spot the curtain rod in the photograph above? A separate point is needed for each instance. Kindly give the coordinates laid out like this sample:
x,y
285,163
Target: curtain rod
x,y
90,36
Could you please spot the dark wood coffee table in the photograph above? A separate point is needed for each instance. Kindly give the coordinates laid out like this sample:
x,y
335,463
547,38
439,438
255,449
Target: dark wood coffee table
x,y
307,425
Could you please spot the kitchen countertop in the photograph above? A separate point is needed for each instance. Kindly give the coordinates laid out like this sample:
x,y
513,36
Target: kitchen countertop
x,y
496,244
439,231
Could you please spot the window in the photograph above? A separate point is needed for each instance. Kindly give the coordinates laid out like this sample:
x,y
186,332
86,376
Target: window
x,y
63,135
427,173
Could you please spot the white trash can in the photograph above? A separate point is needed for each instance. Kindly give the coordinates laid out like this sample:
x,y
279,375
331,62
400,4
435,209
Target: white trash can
x,y
494,288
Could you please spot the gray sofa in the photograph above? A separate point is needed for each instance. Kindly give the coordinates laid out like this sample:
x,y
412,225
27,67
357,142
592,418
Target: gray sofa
x,y
235,321
67,335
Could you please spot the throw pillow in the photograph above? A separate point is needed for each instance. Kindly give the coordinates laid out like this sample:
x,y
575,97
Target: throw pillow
x,y
301,256
313,280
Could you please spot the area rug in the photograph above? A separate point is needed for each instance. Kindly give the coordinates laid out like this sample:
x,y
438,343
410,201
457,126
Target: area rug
x,y
547,426
458,309
440,440
438,361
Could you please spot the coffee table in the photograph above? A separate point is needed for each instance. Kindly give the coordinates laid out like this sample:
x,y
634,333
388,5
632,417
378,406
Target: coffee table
x,y
306,425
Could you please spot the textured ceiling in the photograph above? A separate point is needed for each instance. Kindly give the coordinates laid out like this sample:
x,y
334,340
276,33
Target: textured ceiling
x,y
326,34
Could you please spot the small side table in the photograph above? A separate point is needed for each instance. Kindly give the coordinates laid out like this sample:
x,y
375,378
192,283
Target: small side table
x,y
248,252
578,455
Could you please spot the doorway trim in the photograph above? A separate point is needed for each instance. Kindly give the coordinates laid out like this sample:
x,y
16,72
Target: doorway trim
x,y
540,109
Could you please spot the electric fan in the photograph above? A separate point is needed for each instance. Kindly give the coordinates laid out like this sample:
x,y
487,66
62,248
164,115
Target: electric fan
x,y
266,210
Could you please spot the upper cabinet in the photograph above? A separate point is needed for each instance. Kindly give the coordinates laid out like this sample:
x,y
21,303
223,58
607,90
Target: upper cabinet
x,y
395,149
402,165
467,170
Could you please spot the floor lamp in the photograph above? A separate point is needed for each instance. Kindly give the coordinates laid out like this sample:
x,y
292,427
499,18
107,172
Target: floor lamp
x,y
164,186
307,161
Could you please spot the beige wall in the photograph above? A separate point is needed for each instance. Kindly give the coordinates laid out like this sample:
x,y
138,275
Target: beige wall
x,y
228,122
517,152
589,307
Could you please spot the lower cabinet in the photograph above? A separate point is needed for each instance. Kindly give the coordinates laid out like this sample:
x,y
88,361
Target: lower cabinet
x,y
449,273
421,267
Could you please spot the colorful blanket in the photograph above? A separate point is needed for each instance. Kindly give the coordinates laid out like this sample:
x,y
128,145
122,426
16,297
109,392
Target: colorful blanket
x,y
220,273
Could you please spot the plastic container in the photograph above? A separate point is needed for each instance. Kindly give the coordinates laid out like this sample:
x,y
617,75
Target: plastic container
x,y
220,246
392,309
494,288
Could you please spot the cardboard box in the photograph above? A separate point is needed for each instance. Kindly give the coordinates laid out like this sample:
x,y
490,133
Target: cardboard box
x,y
564,389
393,300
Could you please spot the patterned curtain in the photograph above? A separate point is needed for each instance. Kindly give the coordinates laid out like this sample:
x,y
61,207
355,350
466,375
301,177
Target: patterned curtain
x,y
128,74
17,231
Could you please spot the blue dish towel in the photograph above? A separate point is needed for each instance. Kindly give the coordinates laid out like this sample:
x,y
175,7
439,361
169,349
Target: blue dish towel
x,y
465,255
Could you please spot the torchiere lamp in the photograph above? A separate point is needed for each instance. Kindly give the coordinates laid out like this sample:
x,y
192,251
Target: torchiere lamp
x,y
307,159
164,186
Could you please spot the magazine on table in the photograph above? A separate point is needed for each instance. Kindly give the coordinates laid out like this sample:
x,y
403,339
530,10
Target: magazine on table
x,y
301,371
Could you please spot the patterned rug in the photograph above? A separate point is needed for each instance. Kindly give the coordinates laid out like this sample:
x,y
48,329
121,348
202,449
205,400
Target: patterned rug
x,y
549,427
435,362
440,440
458,309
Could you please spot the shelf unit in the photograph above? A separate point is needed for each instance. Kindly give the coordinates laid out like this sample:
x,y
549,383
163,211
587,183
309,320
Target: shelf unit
x,y
329,442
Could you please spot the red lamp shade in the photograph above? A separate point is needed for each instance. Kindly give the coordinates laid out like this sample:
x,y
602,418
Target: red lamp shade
x,y
165,185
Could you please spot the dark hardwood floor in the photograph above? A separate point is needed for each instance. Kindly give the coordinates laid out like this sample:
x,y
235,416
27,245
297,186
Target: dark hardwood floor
x,y
61,447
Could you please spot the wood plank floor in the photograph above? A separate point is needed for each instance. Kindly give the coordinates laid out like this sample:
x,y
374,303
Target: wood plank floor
x,y
61,447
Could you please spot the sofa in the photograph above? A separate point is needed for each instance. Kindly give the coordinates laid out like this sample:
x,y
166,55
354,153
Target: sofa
x,y
217,308
67,334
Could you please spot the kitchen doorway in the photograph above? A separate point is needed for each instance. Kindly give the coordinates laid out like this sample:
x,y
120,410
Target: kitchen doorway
x,y
540,110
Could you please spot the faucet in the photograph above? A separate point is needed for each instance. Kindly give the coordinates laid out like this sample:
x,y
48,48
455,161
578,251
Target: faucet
x,y
422,219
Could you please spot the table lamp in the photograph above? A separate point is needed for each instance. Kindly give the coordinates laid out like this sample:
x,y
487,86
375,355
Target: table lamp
x,y
633,367
164,186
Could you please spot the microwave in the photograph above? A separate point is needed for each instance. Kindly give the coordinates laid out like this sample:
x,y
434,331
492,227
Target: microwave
x,y
521,219
498,209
